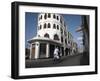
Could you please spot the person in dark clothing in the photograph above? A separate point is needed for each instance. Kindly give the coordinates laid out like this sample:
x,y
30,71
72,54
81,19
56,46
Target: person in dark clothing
x,y
66,50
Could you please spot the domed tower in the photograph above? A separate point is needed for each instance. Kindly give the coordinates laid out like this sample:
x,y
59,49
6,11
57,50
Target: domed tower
x,y
50,26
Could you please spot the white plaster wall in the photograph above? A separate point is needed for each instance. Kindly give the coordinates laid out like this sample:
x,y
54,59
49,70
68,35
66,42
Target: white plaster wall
x,y
51,31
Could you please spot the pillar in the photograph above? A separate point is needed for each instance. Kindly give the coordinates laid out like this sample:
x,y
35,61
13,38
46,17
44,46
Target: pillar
x,y
30,51
47,50
60,51
64,50
37,46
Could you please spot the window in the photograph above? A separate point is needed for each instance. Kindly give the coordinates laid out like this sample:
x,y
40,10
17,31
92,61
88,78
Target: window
x,y
38,35
41,17
49,25
62,39
68,36
56,37
46,35
58,27
57,18
54,26
65,41
65,33
45,25
49,15
60,20
45,16
61,30
40,26
54,16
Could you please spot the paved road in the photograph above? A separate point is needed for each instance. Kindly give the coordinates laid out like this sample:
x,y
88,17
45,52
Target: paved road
x,y
65,61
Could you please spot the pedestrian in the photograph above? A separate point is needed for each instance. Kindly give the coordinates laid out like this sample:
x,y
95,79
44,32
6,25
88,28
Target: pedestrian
x,y
66,50
56,55
73,51
69,49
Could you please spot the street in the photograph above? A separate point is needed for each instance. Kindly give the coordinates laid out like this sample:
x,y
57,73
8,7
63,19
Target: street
x,y
64,61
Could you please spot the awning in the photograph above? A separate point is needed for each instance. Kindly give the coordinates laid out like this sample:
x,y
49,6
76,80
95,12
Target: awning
x,y
44,39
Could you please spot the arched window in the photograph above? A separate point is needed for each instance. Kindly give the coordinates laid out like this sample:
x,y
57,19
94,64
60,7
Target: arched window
x,y
40,26
62,39
61,30
64,33
66,41
46,35
54,26
57,18
49,15
68,35
45,25
49,25
58,27
54,16
56,37
45,16
41,17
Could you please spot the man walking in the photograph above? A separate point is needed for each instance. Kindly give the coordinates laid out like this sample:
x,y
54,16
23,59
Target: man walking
x,y
56,55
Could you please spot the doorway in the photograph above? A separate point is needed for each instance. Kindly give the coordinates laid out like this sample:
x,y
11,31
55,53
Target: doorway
x,y
52,47
42,53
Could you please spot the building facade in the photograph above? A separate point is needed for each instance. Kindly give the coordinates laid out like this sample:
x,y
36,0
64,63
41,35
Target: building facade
x,y
84,29
51,31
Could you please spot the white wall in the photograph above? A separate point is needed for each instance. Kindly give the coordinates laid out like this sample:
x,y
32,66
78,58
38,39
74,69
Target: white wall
x,y
50,31
5,40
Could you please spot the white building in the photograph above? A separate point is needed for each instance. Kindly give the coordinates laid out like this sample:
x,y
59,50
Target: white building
x,y
51,32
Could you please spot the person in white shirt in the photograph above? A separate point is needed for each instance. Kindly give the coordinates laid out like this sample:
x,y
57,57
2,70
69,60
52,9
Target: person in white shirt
x,y
56,55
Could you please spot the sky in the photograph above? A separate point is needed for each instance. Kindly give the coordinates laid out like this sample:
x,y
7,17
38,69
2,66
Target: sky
x,y
31,20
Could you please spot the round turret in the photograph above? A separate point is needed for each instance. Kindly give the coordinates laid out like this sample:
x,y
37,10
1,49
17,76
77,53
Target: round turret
x,y
50,26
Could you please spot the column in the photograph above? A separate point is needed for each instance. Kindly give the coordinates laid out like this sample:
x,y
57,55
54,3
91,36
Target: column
x,y
47,50
30,51
37,45
60,51
64,50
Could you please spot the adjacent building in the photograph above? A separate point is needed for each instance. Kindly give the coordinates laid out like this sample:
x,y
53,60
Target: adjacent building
x,y
84,28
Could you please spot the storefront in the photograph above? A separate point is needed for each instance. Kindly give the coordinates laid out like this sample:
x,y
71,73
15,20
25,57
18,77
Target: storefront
x,y
43,48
